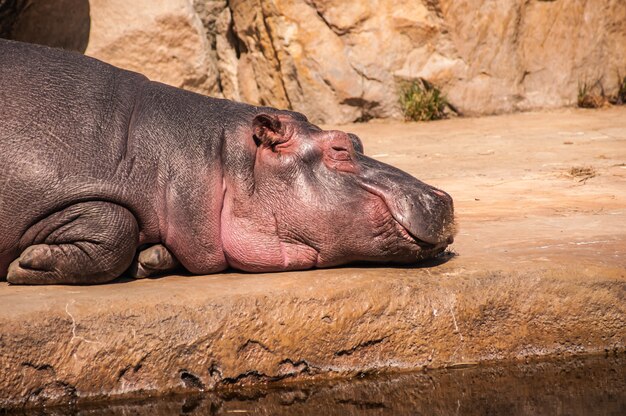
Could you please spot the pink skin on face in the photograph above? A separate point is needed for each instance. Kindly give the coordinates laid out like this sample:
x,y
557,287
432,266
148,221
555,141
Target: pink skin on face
x,y
311,204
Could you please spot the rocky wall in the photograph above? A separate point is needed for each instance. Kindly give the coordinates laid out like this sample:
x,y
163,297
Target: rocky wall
x,y
340,61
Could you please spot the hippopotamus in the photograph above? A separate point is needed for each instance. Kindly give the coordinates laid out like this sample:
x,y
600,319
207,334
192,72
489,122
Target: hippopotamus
x,y
105,173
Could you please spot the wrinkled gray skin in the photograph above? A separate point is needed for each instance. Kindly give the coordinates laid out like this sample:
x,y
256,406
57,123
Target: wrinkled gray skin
x,y
103,171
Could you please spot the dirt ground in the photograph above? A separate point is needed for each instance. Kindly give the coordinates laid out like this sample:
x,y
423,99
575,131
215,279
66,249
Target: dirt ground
x,y
529,188
539,270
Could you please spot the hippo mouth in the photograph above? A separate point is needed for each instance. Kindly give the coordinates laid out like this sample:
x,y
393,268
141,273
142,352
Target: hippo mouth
x,y
431,229
426,249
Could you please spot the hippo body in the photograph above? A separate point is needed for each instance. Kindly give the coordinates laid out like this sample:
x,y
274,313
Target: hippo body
x,y
97,163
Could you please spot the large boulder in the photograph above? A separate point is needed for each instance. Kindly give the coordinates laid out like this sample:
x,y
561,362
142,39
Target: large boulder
x,y
164,39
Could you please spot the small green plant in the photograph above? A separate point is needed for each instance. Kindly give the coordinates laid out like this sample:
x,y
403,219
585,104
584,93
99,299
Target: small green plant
x,y
588,98
421,101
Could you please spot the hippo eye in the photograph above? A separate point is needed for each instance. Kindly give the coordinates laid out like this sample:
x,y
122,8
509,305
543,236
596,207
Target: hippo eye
x,y
339,153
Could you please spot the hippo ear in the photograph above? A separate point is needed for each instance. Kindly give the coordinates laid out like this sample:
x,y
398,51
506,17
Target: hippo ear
x,y
268,130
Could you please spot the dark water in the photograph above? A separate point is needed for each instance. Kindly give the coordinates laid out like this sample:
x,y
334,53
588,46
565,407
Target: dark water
x,y
576,386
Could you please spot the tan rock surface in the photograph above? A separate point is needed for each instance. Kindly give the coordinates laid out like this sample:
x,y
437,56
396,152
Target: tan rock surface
x,y
540,271
342,61
163,39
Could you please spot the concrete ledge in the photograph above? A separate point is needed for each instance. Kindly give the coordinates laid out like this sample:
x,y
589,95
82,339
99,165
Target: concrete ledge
x,y
541,271
189,333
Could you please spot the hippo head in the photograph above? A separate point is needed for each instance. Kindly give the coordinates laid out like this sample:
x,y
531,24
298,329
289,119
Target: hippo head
x,y
297,197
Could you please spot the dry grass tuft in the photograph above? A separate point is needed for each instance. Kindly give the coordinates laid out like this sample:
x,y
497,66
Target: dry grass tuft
x,y
591,95
582,173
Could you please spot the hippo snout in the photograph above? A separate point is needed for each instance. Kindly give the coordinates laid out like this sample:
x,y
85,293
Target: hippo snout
x,y
425,212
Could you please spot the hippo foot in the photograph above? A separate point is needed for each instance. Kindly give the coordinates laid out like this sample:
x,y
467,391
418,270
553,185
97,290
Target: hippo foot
x,y
34,260
51,264
154,260
86,243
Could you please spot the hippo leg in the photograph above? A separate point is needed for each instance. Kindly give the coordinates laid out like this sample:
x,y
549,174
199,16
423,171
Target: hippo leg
x,y
153,260
86,243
